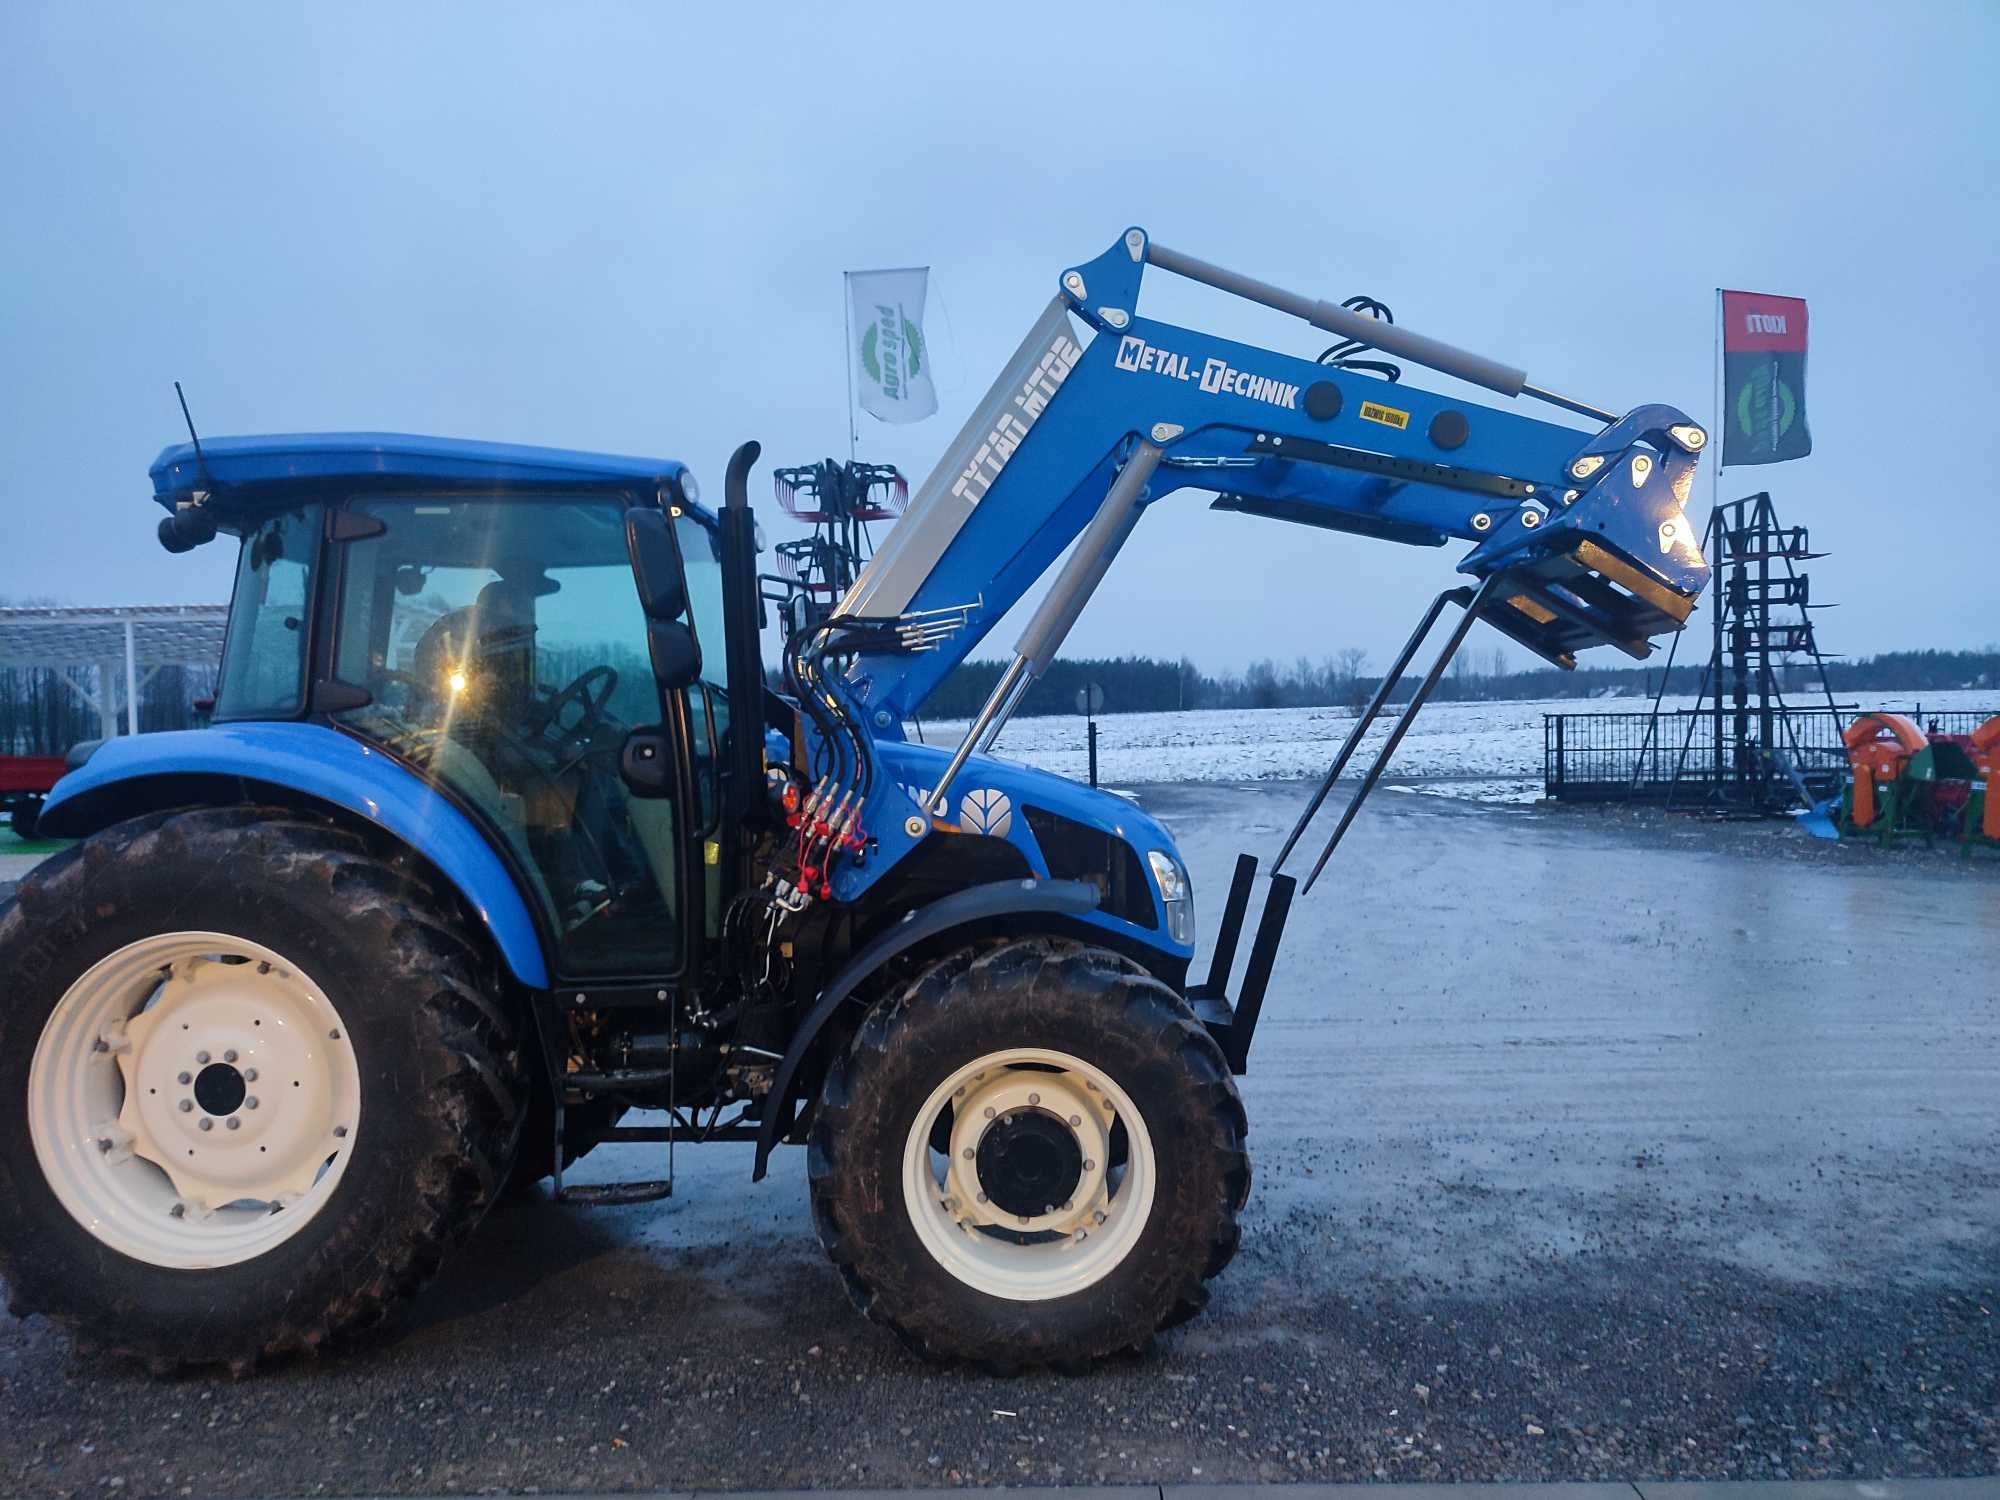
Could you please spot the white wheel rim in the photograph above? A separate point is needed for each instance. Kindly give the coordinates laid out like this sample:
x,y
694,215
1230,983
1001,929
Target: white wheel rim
x,y
1070,1246
193,1100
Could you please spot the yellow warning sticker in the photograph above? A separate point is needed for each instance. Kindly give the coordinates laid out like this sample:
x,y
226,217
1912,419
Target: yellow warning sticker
x,y
1388,416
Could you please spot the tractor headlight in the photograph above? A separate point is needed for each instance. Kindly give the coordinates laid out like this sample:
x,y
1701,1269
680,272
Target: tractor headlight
x,y
690,490
1176,895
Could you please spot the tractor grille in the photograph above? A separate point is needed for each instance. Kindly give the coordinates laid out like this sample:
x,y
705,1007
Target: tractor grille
x,y
1078,852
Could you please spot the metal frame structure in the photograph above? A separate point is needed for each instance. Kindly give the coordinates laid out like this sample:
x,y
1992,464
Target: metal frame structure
x,y
126,645
1742,748
1758,762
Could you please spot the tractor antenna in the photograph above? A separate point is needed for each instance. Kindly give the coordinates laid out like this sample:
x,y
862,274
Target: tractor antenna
x,y
195,437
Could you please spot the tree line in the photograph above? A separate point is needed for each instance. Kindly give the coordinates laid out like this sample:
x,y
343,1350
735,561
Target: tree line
x,y
1142,684
42,715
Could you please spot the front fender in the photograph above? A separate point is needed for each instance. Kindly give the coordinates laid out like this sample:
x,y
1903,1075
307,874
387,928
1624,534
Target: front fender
x,y
979,903
329,767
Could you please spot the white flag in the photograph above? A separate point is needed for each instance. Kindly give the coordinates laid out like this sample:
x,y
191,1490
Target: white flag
x,y
892,364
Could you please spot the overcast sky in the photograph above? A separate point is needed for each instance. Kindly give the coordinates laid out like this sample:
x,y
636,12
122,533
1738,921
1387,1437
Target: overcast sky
x,y
624,227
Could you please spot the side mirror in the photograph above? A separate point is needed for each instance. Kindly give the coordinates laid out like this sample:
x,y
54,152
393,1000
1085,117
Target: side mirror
x,y
656,566
645,764
675,652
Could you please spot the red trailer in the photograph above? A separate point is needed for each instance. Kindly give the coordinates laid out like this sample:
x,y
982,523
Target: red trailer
x,y
24,781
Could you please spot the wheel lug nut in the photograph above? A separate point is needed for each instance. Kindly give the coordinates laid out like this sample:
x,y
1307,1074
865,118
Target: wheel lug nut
x,y
206,1123
967,1153
982,1197
249,1075
1090,1166
186,1105
201,1057
230,1055
251,1102
989,1111
1024,1218
1034,1098
234,1123
184,1078
340,1132
1076,1119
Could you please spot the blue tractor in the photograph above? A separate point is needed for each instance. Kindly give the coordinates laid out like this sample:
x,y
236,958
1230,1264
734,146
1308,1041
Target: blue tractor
x,y
503,832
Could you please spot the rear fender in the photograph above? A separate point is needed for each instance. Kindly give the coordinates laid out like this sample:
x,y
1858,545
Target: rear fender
x,y
137,773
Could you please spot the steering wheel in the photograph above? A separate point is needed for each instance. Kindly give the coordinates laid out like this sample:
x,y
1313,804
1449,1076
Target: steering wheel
x,y
589,694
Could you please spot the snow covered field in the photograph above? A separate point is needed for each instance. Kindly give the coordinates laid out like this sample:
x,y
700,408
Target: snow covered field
x,y
1487,751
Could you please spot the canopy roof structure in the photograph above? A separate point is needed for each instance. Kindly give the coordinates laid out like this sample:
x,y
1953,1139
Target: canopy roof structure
x,y
244,477
124,642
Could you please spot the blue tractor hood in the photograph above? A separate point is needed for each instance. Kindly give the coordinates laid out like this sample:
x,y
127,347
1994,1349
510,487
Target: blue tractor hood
x,y
993,797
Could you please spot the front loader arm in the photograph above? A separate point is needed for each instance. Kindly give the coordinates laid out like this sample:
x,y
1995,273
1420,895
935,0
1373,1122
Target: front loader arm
x,y
1275,436
1578,537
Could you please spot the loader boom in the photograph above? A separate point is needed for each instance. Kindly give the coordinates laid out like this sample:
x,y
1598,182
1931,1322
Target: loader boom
x,y
1034,461
1579,537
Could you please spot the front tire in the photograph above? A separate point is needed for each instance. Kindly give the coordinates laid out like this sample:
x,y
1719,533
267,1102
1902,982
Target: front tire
x,y
254,1087
1033,1155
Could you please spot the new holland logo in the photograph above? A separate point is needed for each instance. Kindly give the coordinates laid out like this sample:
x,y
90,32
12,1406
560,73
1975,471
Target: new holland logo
x,y
1216,376
986,811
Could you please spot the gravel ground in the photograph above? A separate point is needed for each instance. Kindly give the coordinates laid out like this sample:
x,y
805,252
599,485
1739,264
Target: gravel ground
x,y
1587,1147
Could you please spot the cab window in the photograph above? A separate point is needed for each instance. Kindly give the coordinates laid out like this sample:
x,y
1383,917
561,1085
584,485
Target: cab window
x,y
264,652
504,653
708,700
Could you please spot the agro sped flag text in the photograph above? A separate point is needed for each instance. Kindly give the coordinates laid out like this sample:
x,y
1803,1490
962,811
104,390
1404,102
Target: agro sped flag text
x,y
1763,379
892,365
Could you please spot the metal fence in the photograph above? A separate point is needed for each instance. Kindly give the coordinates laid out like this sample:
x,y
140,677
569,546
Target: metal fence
x,y
1605,757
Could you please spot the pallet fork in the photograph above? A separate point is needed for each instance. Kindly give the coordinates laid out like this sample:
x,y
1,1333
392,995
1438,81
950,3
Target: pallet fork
x,y
1234,1026
1510,600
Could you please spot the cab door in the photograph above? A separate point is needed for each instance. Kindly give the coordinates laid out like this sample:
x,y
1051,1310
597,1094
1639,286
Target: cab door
x,y
507,653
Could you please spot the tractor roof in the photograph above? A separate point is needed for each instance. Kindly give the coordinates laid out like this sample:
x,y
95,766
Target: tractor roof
x,y
247,475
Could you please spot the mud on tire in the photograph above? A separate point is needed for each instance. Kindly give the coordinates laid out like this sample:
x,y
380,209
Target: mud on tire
x,y
1086,1003
441,1080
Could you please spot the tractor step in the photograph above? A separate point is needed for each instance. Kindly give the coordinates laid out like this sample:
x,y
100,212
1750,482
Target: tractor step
x,y
611,1194
614,1194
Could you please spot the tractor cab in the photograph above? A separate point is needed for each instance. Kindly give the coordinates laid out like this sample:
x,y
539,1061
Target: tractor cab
x,y
469,611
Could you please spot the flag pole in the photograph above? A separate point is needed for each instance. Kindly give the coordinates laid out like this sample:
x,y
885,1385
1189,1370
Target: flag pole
x,y
1715,431
1717,440
847,357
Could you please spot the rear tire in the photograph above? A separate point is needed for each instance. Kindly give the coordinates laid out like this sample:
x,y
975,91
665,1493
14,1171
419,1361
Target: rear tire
x,y
255,937
935,1221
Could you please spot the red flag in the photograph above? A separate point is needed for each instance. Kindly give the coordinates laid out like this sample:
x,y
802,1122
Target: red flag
x,y
1763,378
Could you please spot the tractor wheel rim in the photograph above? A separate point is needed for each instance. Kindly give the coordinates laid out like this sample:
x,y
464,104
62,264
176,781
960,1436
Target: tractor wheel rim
x,y
984,1232
193,1100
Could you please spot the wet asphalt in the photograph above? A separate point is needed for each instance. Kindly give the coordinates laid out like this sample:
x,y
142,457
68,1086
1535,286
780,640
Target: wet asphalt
x,y
1587,1146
